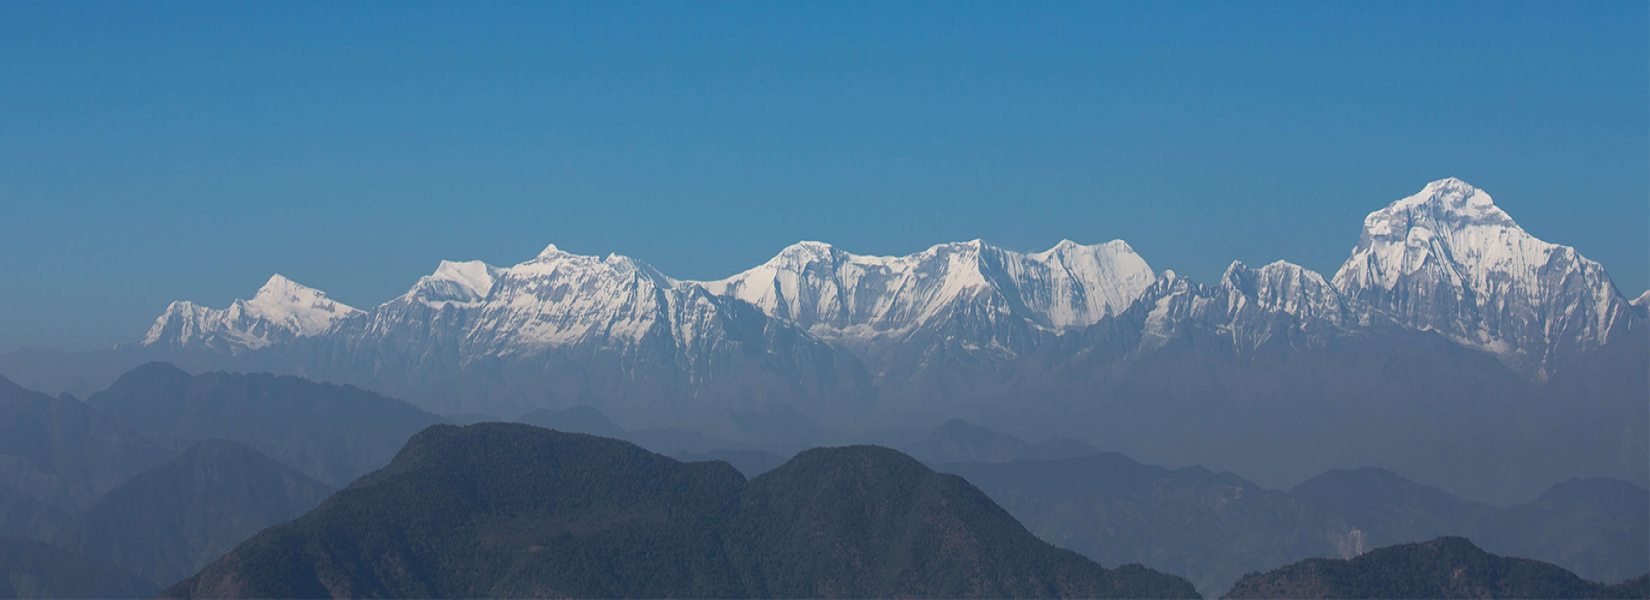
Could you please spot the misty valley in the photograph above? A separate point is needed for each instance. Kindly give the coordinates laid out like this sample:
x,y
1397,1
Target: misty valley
x,y
1460,411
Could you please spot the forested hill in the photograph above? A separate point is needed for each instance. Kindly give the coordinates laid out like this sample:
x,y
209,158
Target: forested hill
x,y
1447,567
511,510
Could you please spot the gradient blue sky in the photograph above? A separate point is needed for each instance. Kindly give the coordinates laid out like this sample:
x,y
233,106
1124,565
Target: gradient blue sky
x,y
152,152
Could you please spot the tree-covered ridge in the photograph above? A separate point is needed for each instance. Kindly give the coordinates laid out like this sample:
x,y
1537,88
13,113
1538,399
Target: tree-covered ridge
x,y
1447,567
510,510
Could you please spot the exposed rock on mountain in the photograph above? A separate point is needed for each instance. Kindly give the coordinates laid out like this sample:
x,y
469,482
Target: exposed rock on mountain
x,y
969,303
281,311
1449,260
839,294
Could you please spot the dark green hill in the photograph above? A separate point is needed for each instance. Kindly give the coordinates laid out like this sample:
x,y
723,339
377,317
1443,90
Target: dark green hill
x,y
168,522
870,522
333,433
1448,567
33,569
510,510
63,453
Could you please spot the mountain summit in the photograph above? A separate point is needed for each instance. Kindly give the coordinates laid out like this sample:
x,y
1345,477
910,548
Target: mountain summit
x,y
280,311
840,294
1449,260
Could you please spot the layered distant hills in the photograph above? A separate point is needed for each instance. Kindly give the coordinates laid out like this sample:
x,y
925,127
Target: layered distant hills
x,y
1452,345
168,522
166,471
1213,527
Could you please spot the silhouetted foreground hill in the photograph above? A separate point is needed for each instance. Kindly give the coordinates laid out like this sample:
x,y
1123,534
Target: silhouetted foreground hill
x,y
1448,567
32,569
510,510
333,433
168,522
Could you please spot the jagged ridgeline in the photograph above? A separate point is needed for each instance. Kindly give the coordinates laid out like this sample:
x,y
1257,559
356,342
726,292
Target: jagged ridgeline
x,y
511,510
1449,331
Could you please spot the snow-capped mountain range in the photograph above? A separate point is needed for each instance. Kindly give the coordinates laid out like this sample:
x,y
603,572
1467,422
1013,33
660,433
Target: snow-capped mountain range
x,y
281,310
1445,260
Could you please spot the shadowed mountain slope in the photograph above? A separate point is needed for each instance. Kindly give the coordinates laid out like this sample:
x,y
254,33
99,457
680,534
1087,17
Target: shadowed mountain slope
x,y
333,433
1448,567
579,419
21,515
959,441
168,522
34,569
1208,527
510,510
62,453
1214,527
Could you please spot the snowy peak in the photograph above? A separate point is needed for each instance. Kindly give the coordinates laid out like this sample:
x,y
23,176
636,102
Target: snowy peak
x,y
303,310
1071,285
559,299
1248,308
838,293
1448,260
1643,299
1449,201
455,283
1285,287
1449,225
281,310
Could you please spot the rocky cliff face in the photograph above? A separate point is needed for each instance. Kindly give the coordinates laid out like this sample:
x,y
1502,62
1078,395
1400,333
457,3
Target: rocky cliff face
x,y
1449,260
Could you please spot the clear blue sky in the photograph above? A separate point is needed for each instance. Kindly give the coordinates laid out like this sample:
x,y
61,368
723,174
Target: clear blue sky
x,y
152,152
